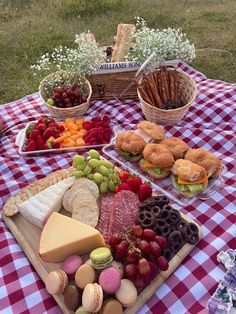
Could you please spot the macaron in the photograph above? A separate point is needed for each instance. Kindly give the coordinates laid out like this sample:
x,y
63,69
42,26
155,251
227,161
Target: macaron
x,y
111,306
127,293
56,281
72,297
92,297
89,262
81,310
85,274
71,264
101,257
109,280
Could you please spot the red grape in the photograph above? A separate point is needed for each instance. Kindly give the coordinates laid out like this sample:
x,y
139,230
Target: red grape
x,y
155,248
114,240
137,230
144,266
162,263
148,234
132,257
138,281
145,246
131,270
161,241
122,249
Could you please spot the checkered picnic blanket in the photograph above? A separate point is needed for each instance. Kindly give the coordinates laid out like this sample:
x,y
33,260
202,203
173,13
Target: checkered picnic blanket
x,y
210,123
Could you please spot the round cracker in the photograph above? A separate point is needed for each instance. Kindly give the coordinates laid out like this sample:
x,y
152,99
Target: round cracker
x,y
66,201
85,208
88,184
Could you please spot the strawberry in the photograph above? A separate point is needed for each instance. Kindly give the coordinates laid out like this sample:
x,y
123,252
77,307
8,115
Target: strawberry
x,y
34,134
134,183
31,146
124,176
41,127
51,131
40,142
144,191
122,186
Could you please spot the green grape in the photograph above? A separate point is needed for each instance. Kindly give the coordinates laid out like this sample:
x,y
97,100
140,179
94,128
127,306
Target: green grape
x,y
112,186
103,170
87,170
105,179
103,187
114,177
78,174
94,163
93,154
106,163
90,176
81,166
77,160
98,177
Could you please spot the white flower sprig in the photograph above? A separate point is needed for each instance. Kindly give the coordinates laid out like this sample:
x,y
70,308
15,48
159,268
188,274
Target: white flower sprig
x,y
81,60
168,43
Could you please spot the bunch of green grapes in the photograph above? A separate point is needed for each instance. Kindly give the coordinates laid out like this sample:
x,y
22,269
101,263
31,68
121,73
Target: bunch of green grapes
x,y
102,172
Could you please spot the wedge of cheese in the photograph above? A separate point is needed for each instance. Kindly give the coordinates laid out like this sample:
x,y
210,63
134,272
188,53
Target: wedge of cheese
x,y
63,236
39,207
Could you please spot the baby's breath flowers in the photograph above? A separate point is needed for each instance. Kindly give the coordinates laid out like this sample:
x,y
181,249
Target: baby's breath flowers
x,y
168,44
81,60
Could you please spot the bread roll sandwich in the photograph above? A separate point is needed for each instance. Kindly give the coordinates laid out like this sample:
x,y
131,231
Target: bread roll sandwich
x,y
123,42
130,145
177,146
157,161
188,178
151,131
207,160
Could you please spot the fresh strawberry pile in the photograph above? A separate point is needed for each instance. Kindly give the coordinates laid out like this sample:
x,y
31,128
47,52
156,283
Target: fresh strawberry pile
x,y
39,135
134,184
98,131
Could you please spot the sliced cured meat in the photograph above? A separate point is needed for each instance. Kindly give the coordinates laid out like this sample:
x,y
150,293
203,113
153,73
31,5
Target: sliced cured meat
x,y
105,214
124,213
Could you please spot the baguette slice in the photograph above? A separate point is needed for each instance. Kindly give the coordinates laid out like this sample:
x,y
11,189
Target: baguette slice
x,y
123,42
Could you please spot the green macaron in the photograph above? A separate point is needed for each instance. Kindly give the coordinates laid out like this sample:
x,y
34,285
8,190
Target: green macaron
x,y
101,257
81,310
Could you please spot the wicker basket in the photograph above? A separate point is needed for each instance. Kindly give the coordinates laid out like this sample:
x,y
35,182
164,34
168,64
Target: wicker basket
x,y
63,113
187,89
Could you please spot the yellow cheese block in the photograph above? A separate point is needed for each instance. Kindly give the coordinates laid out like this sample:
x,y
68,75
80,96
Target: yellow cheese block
x,y
63,236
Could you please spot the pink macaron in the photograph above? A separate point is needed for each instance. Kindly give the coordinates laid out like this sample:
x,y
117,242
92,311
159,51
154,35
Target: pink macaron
x,y
110,280
71,264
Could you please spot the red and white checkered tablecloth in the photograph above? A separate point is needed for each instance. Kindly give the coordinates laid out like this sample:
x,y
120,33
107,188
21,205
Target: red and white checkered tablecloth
x,y
210,123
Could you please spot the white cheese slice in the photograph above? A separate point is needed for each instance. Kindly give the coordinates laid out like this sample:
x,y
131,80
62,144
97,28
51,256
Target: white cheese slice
x,y
39,207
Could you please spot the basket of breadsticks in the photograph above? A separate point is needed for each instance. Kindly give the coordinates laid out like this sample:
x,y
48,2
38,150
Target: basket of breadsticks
x,y
166,94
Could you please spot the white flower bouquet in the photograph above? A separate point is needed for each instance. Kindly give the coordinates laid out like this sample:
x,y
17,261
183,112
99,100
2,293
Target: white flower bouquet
x,y
168,44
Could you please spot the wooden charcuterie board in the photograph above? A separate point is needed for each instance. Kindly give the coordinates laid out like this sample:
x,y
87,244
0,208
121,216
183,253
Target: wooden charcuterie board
x,y
28,236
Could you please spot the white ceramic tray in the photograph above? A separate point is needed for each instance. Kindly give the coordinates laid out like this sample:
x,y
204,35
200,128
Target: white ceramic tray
x,y
21,139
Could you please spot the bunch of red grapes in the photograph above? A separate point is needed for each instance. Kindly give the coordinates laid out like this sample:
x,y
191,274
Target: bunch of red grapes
x,y
66,96
140,252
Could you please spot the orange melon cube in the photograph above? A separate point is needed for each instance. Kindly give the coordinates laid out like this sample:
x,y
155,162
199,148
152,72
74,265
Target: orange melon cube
x,y
79,121
80,142
69,120
66,133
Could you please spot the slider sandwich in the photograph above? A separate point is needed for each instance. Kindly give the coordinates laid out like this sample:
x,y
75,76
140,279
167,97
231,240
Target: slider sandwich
x,y
207,160
130,145
150,131
157,161
176,146
188,178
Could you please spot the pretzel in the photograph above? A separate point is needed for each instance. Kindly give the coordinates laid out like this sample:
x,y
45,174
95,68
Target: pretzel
x,y
190,233
175,241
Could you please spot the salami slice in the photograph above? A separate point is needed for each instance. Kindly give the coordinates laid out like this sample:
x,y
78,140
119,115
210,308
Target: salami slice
x,y
105,214
124,212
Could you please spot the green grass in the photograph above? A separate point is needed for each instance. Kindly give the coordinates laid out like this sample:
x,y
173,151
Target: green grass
x,y
28,29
